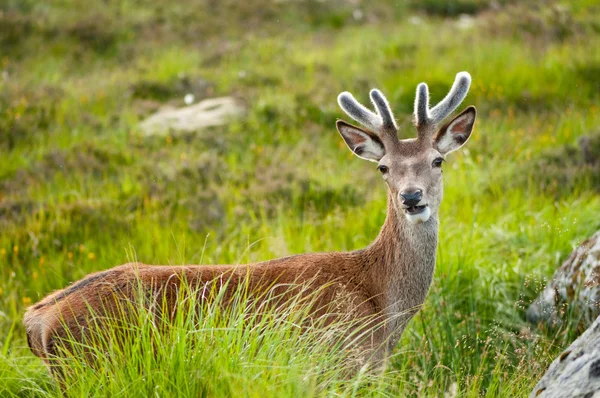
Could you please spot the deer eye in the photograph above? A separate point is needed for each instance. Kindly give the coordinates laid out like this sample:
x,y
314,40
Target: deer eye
x,y
383,169
438,162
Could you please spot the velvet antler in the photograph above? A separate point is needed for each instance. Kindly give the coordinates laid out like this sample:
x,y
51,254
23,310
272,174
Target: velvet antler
x,y
426,119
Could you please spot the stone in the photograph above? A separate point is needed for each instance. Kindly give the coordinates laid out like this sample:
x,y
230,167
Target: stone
x,y
208,113
576,283
576,372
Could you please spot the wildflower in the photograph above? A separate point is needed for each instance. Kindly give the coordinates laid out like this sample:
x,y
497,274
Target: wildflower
x,y
3,252
15,249
70,256
91,256
42,260
26,300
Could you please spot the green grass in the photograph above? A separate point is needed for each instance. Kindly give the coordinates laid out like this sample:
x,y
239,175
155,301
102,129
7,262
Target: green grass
x,y
81,189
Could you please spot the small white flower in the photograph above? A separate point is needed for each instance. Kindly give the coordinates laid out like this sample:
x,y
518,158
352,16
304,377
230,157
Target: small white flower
x,y
189,99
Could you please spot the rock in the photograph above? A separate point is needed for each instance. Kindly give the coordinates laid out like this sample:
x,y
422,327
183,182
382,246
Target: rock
x,y
207,113
575,283
576,371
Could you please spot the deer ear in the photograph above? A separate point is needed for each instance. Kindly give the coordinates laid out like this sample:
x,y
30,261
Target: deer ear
x,y
456,133
364,144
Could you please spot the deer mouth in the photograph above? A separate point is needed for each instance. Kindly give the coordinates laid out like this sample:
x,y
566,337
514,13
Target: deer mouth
x,y
412,210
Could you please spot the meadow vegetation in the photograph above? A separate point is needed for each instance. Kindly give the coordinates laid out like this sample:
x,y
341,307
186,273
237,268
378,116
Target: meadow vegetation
x,y
82,189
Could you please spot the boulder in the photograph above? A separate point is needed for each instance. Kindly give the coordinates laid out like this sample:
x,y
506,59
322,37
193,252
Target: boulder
x,y
576,371
208,113
575,286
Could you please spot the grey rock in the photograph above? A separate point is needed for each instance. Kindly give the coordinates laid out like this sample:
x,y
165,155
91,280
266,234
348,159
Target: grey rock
x,y
575,283
576,371
208,113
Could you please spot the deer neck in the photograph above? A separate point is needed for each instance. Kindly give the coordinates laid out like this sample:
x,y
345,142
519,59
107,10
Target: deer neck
x,y
401,265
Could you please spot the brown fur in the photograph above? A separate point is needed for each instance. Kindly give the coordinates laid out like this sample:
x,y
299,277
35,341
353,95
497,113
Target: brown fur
x,y
67,311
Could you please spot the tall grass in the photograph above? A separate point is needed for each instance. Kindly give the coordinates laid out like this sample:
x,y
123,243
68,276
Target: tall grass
x,y
269,344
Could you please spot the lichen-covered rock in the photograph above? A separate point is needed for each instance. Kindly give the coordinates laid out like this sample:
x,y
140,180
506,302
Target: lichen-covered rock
x,y
576,371
575,283
207,113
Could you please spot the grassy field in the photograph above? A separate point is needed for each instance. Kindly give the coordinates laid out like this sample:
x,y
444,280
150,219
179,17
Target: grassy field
x,y
82,189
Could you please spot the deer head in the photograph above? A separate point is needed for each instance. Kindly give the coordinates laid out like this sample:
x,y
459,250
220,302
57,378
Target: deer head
x,y
412,168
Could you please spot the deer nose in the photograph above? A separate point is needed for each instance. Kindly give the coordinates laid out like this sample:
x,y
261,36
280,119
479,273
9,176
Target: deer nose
x,y
411,197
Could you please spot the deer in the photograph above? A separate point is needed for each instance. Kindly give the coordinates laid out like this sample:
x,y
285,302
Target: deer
x,y
388,280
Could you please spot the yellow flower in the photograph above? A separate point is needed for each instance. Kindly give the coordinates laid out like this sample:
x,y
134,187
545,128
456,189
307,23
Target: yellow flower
x,y
70,256
16,249
91,256
26,300
42,260
34,275
3,252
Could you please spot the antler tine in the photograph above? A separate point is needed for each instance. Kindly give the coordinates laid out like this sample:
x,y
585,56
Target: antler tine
x,y
457,93
382,123
383,109
422,105
358,112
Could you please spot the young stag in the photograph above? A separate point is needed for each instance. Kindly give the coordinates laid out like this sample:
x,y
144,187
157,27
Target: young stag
x,y
387,281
